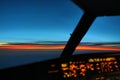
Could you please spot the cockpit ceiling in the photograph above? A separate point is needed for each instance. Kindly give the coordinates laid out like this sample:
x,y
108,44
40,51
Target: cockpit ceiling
x,y
100,7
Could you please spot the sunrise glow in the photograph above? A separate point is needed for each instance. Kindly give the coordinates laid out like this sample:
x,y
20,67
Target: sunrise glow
x,y
56,47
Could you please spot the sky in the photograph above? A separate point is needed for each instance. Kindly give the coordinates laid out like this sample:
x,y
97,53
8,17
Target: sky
x,y
51,20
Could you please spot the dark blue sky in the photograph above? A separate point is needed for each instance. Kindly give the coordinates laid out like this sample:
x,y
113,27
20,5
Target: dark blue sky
x,y
50,20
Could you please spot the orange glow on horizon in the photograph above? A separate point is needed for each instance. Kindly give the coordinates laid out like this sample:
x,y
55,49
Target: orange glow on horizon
x,y
56,47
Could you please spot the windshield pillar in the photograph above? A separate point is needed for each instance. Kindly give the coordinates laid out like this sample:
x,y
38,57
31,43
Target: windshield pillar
x,y
77,35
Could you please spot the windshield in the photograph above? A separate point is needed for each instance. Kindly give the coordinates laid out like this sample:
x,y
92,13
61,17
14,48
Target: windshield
x,y
37,30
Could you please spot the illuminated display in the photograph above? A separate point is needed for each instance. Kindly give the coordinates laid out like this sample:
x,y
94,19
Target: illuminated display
x,y
92,66
53,71
101,59
108,78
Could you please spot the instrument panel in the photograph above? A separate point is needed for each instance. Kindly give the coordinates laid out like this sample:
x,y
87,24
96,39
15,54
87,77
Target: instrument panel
x,y
92,66
97,66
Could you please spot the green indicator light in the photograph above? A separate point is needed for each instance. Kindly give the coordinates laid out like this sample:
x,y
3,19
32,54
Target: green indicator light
x,y
68,75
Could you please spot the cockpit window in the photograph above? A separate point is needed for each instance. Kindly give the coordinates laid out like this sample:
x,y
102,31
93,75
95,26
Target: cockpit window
x,y
104,29
103,35
37,30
